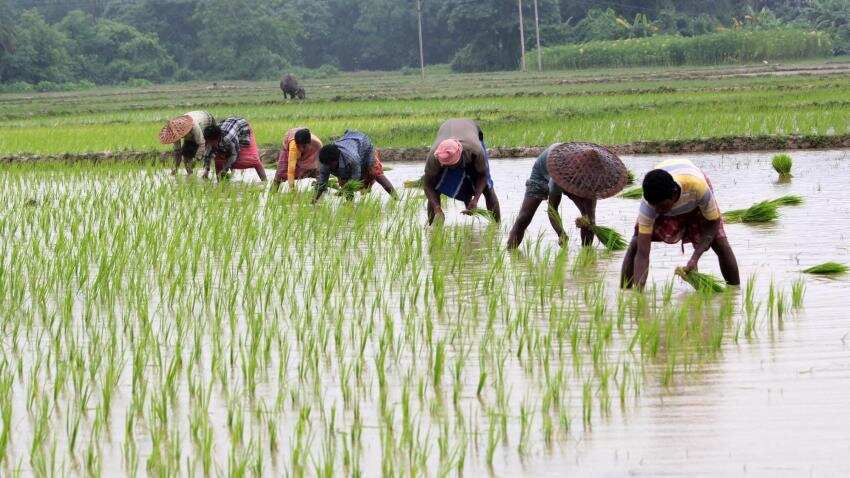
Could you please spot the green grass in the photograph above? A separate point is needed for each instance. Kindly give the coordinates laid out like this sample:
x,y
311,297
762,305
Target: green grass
x,y
404,111
761,212
827,268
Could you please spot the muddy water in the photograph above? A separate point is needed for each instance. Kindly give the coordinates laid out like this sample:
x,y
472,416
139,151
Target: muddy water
x,y
776,405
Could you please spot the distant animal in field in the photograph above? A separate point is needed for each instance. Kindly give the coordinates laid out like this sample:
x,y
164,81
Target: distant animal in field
x,y
290,88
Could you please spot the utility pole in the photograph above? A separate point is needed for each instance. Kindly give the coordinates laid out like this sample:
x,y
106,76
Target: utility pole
x,y
421,48
537,34
521,36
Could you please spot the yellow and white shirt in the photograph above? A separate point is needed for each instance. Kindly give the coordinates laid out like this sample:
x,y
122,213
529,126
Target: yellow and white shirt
x,y
696,193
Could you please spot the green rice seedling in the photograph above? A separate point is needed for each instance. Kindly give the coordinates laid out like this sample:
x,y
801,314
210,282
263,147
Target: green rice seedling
x,y
827,268
798,290
631,177
782,164
700,281
632,193
610,238
789,200
761,212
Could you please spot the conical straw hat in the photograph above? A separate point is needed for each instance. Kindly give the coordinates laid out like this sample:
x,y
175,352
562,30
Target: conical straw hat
x,y
587,170
176,129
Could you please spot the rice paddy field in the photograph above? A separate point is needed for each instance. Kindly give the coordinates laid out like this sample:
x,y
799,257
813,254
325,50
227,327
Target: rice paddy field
x,y
155,325
604,106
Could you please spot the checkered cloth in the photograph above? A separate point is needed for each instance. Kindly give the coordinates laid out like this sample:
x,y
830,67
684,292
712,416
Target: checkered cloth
x,y
235,133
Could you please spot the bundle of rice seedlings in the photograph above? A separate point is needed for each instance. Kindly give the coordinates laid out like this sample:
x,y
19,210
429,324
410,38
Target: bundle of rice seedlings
x,y
760,212
633,193
782,164
789,200
480,212
348,190
413,183
631,179
699,281
611,239
828,268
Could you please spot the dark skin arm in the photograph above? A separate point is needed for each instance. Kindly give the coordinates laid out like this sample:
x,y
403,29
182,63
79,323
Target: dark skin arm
x,y
178,157
435,209
587,207
526,213
707,234
554,218
641,262
480,184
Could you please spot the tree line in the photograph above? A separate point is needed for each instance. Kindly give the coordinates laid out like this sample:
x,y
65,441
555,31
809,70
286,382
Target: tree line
x,y
114,41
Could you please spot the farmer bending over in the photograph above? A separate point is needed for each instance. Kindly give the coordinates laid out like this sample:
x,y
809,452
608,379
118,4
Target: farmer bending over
x,y
298,158
186,133
458,167
583,172
233,146
678,205
351,158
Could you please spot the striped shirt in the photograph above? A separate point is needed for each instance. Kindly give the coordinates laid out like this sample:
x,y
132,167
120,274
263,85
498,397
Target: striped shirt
x,y
696,193
235,133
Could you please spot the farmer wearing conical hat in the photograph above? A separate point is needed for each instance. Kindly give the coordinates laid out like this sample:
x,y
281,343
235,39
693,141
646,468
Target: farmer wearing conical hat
x,y
351,158
298,158
186,133
233,146
678,205
583,172
458,167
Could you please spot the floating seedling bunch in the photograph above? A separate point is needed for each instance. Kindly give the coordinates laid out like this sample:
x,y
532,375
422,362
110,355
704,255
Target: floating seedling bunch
x,y
183,328
782,164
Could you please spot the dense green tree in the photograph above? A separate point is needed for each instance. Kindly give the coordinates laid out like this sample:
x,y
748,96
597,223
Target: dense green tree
x,y
116,40
244,39
107,50
41,52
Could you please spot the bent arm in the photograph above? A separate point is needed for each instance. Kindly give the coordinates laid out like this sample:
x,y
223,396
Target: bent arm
x,y
322,182
708,232
178,156
644,244
554,217
294,156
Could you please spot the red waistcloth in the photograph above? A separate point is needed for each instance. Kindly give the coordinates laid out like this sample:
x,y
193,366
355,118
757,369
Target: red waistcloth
x,y
376,170
685,228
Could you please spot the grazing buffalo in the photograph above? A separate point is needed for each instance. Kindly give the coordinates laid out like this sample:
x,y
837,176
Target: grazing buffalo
x,y
290,88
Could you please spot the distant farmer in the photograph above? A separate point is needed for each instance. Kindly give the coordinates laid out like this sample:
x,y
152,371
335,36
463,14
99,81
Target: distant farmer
x,y
186,133
298,158
458,167
583,172
351,158
232,145
678,205
289,86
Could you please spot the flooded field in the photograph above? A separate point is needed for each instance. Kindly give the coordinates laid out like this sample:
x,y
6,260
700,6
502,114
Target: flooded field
x,y
155,326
